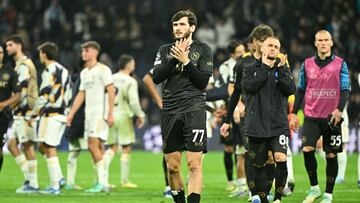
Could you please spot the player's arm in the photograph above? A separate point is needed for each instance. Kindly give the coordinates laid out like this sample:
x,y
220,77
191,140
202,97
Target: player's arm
x,y
345,89
79,100
199,77
300,91
134,103
24,77
162,68
111,99
286,83
150,86
15,88
254,78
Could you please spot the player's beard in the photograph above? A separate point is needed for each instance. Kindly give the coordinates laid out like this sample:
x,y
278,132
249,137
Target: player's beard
x,y
185,36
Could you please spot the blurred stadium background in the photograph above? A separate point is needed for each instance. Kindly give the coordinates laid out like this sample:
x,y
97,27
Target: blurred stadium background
x,y
139,27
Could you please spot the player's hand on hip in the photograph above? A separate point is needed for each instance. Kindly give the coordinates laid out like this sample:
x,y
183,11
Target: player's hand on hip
x,y
140,121
69,119
110,120
224,129
336,117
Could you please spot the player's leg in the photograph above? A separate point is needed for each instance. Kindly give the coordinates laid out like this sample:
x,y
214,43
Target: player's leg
x,y
311,133
342,156
97,156
173,161
290,182
258,155
96,130
358,169
53,168
194,161
113,145
279,146
167,191
3,129
50,133
229,166
32,164
71,164
270,172
240,182
195,145
126,139
342,162
125,167
19,129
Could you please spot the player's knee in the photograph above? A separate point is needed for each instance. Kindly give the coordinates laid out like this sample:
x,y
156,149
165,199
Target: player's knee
x,y
280,157
308,149
73,154
330,155
270,159
228,149
173,168
194,166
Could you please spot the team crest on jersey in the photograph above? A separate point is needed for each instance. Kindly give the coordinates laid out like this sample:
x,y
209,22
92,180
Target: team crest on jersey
x,y
195,56
6,77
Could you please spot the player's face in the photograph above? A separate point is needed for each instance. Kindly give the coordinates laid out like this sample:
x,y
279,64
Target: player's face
x,y
89,53
271,47
239,51
12,48
182,28
1,54
323,42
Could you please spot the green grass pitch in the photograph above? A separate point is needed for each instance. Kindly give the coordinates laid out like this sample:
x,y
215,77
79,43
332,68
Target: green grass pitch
x,y
146,171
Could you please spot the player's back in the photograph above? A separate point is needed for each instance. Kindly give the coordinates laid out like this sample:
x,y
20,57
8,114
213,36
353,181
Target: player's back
x,y
124,84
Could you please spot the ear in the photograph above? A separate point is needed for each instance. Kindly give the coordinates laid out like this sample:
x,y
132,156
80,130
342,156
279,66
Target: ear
x,y
192,28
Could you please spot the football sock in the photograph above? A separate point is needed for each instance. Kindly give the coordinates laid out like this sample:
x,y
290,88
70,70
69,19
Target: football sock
x,y
311,167
331,172
125,167
23,164
280,179
229,165
33,173
71,167
193,198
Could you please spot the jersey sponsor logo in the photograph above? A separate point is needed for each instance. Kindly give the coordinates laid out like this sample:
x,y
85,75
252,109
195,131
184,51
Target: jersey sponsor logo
x,y
6,77
323,93
195,56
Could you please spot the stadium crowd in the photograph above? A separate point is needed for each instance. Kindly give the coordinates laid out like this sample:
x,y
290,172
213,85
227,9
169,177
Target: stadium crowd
x,y
135,27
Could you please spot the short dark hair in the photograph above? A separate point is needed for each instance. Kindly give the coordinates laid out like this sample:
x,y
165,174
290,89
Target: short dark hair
x,y
261,32
50,49
233,44
91,44
185,13
15,38
124,60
